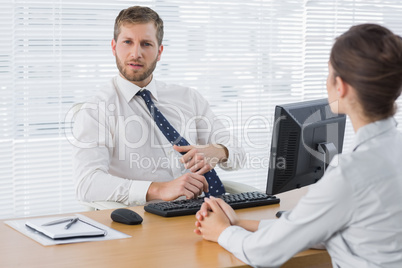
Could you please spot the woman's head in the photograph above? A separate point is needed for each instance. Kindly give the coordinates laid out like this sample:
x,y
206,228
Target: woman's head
x,y
368,57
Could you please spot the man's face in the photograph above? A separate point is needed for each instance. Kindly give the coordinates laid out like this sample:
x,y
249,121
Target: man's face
x,y
137,52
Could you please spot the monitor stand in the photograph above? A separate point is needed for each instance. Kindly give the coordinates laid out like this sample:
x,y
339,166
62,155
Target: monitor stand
x,y
329,151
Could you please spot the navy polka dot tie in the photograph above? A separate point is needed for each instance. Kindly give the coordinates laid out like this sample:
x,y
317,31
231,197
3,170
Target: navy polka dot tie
x,y
215,184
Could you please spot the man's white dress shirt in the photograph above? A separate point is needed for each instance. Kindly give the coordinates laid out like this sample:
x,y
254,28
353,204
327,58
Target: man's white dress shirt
x,y
355,210
118,151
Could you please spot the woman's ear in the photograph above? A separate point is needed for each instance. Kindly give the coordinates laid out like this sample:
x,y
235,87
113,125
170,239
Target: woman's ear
x,y
342,87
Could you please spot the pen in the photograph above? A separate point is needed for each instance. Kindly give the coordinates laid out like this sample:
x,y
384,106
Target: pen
x,y
57,221
71,223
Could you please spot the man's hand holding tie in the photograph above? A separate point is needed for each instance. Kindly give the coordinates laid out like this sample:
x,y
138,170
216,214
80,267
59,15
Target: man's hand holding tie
x,y
202,158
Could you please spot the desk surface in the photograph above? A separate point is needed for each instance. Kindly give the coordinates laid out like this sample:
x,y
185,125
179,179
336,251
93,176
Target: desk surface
x,y
157,242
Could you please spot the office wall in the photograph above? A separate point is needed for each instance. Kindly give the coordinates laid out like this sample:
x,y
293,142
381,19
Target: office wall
x,y
244,57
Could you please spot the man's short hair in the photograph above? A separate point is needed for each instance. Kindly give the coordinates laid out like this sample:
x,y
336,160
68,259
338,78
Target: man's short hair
x,y
139,15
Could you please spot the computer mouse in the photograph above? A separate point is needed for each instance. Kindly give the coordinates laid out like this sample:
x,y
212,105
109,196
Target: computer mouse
x,y
279,213
126,216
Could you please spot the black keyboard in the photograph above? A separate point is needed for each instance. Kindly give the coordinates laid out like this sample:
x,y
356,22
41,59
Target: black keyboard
x,y
191,206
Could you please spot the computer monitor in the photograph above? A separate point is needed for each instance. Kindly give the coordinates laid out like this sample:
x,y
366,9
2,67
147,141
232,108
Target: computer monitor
x,y
305,138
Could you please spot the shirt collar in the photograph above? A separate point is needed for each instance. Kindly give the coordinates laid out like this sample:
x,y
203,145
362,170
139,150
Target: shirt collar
x,y
129,89
372,130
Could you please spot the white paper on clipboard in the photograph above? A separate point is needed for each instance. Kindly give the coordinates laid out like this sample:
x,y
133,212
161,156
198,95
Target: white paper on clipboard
x,y
20,226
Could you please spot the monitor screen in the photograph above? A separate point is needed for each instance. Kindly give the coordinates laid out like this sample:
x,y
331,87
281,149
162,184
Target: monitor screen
x,y
305,137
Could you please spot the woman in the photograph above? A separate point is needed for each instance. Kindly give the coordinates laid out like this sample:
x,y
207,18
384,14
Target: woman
x,y
355,210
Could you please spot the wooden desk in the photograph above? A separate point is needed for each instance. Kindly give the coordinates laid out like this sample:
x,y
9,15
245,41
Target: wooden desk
x,y
157,242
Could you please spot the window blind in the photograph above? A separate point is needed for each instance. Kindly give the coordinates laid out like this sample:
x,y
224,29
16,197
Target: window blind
x,y
244,57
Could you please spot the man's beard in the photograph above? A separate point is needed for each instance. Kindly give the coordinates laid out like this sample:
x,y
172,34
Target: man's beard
x,y
133,76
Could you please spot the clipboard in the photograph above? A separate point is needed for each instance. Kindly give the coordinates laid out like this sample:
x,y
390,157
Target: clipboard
x,y
58,231
20,226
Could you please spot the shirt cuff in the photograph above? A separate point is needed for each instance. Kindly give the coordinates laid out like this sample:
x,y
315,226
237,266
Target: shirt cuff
x,y
232,239
224,237
235,158
138,192
266,223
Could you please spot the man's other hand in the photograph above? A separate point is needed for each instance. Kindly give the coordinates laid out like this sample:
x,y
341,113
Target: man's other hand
x,y
202,158
190,185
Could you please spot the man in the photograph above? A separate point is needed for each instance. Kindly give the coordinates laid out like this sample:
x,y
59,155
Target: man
x,y
122,152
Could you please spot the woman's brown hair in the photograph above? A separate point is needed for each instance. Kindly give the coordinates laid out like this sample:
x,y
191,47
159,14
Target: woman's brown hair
x,y
369,58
